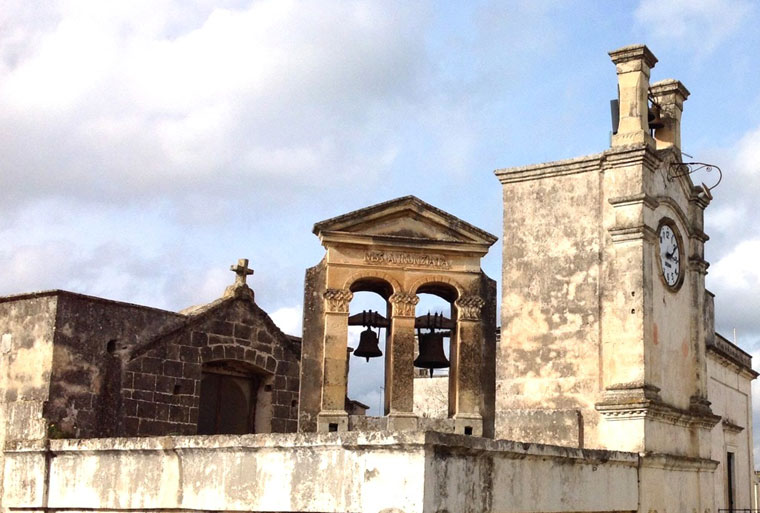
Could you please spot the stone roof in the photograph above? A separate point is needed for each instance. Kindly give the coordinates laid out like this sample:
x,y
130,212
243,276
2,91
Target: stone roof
x,y
93,299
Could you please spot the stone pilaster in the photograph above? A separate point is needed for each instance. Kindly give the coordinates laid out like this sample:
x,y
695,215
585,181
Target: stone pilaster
x,y
633,65
464,376
333,416
399,363
669,95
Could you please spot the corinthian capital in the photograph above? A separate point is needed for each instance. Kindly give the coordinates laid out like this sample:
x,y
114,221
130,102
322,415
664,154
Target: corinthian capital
x,y
337,300
403,304
469,307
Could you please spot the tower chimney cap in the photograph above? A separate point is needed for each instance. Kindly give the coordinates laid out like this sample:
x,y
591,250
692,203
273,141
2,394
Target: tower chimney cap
x,y
633,53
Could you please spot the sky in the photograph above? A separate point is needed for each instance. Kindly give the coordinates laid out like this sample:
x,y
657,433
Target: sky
x,y
147,145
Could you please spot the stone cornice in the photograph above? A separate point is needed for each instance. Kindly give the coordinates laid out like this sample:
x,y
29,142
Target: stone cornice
x,y
633,53
611,158
670,86
630,233
550,169
731,427
635,199
725,350
676,462
620,156
699,264
626,402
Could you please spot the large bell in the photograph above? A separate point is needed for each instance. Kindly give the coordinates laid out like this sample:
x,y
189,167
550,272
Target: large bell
x,y
368,345
431,352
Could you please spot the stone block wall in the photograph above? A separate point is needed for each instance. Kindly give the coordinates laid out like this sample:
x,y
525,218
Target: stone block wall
x,y
89,336
75,366
26,351
161,384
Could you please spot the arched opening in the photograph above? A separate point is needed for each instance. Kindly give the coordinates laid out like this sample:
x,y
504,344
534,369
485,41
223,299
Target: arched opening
x,y
435,331
369,316
231,399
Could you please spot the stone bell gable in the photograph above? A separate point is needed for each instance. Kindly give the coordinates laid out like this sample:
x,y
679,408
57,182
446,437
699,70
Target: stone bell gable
x,y
398,249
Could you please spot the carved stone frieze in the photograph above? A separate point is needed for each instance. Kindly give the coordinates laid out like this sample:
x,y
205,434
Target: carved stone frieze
x,y
337,300
404,304
469,307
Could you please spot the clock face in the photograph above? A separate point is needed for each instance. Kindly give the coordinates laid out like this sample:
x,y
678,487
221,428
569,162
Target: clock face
x,y
670,255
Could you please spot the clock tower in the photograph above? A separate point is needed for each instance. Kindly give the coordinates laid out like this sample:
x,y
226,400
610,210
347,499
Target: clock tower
x,y
603,308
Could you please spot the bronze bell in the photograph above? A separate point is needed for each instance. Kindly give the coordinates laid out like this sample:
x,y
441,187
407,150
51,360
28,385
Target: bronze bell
x,y
368,345
654,119
431,352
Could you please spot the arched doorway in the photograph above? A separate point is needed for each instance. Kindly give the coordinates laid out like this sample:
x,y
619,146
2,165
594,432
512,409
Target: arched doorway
x,y
230,402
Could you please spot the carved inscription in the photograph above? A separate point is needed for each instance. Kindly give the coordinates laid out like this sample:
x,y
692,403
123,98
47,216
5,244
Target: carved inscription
x,y
398,258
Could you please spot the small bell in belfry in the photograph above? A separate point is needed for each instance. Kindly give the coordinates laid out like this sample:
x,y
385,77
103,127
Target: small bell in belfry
x,y
368,345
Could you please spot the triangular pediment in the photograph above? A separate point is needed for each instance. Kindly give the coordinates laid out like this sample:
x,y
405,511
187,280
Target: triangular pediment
x,y
407,218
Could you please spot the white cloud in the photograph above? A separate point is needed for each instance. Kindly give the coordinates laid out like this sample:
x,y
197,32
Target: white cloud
x,y
288,319
735,279
747,158
733,225
738,270
122,101
703,24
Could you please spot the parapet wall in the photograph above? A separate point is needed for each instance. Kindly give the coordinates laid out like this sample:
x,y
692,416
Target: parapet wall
x,y
331,472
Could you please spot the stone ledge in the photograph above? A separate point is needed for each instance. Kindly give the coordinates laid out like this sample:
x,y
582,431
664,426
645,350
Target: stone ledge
x,y
414,472
348,439
550,169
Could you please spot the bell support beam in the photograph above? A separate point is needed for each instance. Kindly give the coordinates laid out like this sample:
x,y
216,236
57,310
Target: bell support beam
x,y
333,415
399,367
464,376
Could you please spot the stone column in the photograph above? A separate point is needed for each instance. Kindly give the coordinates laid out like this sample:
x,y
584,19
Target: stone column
x,y
399,363
465,392
669,95
633,65
333,415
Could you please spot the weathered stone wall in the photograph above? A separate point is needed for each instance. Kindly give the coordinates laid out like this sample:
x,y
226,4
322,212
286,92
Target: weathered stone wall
x,y
89,336
26,354
26,360
79,366
161,381
729,391
312,347
412,472
431,397
489,313
547,374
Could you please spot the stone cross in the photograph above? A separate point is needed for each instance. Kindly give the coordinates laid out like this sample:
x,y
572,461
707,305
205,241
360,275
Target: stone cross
x,y
242,271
